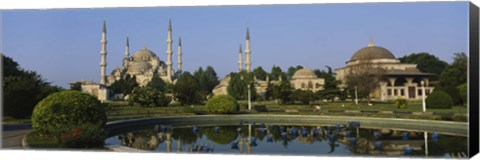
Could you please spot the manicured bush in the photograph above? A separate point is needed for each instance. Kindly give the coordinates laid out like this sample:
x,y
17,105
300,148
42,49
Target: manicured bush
x,y
401,103
60,112
222,104
83,136
439,99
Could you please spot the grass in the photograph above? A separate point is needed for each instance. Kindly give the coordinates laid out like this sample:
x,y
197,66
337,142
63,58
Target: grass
x,y
457,113
15,120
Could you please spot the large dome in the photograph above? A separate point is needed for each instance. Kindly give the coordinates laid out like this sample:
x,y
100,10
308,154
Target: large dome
x,y
372,52
143,55
304,73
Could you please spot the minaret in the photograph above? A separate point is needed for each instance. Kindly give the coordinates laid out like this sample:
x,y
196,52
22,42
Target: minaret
x,y
371,42
247,52
127,54
240,61
103,54
179,53
169,51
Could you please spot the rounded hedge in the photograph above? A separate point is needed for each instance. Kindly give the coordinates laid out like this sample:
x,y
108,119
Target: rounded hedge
x,y
59,112
222,104
439,99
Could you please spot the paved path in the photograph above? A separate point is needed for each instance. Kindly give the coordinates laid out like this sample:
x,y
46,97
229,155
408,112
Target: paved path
x,y
13,133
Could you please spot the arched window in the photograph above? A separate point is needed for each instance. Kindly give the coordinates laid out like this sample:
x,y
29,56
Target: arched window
x,y
303,85
310,85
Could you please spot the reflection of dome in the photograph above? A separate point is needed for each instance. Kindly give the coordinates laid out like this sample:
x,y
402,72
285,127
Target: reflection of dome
x,y
304,73
143,55
372,52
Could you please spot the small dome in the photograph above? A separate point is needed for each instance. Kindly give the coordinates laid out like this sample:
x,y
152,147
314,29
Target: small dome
x,y
372,52
304,73
143,55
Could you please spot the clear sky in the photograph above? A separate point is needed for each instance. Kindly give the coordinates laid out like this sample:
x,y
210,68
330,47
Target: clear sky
x,y
63,45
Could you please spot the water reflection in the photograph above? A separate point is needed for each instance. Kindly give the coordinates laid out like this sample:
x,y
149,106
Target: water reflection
x,y
340,139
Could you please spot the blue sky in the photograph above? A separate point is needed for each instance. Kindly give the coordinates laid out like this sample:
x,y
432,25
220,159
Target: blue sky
x,y
63,45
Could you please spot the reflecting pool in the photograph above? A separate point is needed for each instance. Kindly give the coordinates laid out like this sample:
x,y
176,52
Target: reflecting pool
x,y
338,140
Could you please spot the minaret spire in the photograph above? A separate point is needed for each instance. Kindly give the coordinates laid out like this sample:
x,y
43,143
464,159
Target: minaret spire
x,y
169,51
240,61
179,54
127,54
103,54
371,42
247,52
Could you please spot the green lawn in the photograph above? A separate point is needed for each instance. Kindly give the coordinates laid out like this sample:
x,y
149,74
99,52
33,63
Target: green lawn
x,y
457,113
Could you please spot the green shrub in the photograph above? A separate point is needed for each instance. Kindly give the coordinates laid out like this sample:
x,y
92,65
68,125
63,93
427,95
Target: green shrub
x,y
60,112
401,103
222,104
439,99
83,136
148,97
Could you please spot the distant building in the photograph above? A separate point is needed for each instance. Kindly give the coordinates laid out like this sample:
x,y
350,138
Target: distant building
x,y
398,80
144,64
305,79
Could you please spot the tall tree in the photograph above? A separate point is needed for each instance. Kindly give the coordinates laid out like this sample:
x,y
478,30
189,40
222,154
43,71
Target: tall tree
x,y
276,73
211,78
186,89
291,70
22,90
282,91
364,77
453,76
260,73
157,83
425,62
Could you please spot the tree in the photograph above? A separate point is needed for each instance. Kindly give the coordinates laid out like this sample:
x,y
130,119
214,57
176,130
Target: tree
x,y
463,91
453,76
425,62
282,91
365,77
149,97
238,86
22,89
125,85
302,96
276,73
211,78
186,89
77,86
260,73
157,83
291,71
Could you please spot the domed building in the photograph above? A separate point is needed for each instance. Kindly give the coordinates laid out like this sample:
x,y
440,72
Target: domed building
x,y
144,64
397,80
305,79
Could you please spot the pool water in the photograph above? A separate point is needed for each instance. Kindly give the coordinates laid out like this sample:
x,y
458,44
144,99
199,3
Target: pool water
x,y
339,140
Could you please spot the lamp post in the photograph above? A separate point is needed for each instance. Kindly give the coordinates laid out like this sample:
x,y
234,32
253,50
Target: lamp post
x,y
356,96
249,98
424,105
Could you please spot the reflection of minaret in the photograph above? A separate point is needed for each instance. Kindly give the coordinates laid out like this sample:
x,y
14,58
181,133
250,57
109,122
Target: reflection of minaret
x,y
168,142
179,62
247,52
240,61
127,54
240,144
179,145
103,53
169,51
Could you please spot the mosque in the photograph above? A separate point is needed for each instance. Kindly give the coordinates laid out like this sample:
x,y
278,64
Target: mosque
x,y
303,79
143,64
398,80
